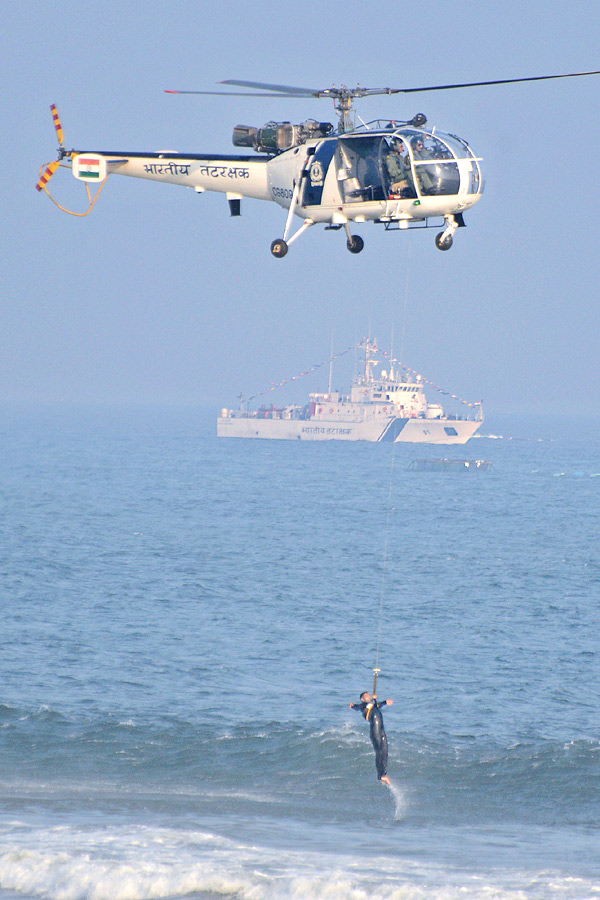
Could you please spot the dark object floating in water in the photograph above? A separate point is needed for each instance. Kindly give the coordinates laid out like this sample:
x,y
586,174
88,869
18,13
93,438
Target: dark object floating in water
x,y
450,465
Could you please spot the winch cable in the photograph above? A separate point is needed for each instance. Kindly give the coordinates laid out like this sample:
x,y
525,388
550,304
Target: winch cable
x,y
406,274
376,669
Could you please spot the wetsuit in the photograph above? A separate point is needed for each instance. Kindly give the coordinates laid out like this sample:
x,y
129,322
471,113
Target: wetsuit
x,y
371,712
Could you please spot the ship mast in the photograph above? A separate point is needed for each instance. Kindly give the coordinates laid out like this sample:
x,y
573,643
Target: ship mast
x,y
368,361
331,364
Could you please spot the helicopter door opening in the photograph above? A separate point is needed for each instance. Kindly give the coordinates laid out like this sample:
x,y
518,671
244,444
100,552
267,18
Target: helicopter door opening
x,y
359,170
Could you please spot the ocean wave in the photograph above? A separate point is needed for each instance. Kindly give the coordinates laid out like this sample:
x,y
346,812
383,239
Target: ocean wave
x,y
141,863
287,765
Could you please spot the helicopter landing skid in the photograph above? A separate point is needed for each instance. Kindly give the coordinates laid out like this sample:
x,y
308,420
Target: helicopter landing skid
x,y
443,240
280,246
354,243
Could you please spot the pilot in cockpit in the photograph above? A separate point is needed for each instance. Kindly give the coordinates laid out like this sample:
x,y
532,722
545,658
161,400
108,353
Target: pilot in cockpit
x,y
426,181
399,170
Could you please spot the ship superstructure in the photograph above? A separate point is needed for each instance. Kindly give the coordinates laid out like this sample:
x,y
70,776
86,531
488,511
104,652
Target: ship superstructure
x,y
386,405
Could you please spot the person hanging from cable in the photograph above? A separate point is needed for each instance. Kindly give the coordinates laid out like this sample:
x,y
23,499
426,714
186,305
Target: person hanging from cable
x,y
370,707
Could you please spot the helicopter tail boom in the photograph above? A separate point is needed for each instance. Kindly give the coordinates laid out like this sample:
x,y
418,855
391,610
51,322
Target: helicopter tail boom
x,y
240,175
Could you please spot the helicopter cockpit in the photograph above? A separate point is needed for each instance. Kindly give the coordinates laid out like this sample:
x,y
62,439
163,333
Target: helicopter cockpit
x,y
405,163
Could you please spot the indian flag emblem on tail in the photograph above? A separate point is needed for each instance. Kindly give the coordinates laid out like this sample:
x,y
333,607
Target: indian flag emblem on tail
x,y
89,167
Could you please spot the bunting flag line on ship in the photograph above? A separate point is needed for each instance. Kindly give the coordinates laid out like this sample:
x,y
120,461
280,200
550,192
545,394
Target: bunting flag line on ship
x,y
312,369
413,372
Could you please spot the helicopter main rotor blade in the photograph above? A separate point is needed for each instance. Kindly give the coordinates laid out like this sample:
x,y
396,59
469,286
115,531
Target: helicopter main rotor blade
x,y
447,87
282,88
289,91
240,94
346,94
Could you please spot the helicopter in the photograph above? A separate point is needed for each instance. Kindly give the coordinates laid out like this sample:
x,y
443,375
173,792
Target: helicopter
x,y
398,174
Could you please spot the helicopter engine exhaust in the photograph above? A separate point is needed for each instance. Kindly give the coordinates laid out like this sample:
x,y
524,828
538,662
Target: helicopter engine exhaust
x,y
276,137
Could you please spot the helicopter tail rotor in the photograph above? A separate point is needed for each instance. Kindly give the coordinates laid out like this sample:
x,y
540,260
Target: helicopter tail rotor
x,y
53,166
48,173
58,126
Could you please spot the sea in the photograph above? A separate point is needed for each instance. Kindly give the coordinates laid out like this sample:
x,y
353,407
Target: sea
x,y
186,620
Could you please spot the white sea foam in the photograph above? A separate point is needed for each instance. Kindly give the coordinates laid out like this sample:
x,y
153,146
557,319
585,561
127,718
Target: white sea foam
x,y
251,796
400,800
145,864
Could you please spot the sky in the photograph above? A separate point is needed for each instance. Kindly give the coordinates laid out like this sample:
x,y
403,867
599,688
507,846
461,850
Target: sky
x,y
158,296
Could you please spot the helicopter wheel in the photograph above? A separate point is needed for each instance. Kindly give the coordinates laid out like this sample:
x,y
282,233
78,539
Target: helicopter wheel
x,y
443,243
279,247
355,243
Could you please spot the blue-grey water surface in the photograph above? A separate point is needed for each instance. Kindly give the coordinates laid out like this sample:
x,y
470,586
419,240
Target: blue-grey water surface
x,y
184,623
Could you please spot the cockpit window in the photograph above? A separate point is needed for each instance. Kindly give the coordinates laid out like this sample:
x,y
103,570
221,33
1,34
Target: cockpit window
x,y
435,165
406,164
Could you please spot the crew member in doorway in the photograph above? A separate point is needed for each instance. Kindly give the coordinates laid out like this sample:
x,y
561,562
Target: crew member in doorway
x,y
399,170
370,707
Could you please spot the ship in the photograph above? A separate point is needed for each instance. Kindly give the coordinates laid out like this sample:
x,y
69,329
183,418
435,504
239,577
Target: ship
x,y
383,405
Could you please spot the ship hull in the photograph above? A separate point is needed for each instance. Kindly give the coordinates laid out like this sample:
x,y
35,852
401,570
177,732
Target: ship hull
x,y
392,428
